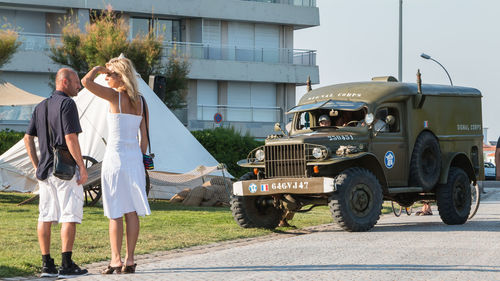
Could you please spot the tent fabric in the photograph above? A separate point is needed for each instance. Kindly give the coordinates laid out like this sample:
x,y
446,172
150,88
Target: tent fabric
x,y
11,95
176,149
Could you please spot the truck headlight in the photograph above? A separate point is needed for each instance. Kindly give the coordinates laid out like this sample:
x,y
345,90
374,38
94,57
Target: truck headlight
x,y
260,155
317,152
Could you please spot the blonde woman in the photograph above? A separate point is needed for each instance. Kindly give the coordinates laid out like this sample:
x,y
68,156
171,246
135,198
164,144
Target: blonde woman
x,y
123,176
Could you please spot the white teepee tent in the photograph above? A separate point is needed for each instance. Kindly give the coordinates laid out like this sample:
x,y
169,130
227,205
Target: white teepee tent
x,y
175,148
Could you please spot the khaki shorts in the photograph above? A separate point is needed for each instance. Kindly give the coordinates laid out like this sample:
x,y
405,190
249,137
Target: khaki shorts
x,y
60,200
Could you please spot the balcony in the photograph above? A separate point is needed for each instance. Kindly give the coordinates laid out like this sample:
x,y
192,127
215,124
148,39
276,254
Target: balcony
x,y
235,53
37,41
302,3
42,42
241,113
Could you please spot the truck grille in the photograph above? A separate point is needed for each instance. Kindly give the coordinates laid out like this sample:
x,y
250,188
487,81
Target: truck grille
x,y
285,161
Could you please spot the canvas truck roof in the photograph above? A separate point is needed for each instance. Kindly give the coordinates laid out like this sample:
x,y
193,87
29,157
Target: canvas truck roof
x,y
378,92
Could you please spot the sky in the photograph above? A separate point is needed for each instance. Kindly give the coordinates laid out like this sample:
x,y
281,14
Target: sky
x,y
358,40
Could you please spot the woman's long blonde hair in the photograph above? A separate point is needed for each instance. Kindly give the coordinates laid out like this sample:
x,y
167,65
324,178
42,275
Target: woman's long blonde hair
x,y
125,68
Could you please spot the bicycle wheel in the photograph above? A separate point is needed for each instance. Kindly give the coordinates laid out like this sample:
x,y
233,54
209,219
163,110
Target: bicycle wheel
x,y
409,210
396,208
476,198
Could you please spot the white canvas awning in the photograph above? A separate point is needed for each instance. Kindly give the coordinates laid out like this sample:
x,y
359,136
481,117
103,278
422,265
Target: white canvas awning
x,y
11,95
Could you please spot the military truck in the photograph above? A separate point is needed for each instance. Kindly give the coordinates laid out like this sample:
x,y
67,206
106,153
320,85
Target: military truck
x,y
386,140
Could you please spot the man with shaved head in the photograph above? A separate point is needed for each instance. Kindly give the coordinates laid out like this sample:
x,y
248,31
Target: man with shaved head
x,y
61,201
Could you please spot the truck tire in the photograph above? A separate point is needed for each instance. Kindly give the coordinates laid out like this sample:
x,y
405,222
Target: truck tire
x,y
454,197
255,211
425,166
357,203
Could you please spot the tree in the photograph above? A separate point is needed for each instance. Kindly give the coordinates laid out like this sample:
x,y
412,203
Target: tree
x,y
70,52
106,37
175,74
8,44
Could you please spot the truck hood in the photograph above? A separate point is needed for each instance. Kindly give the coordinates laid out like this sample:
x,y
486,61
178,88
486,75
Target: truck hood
x,y
327,137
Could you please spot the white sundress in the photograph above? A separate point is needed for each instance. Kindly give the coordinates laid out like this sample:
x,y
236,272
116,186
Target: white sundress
x,y
123,179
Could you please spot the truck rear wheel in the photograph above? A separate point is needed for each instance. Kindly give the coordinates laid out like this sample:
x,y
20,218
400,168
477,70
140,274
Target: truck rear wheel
x,y
357,203
425,166
255,211
454,197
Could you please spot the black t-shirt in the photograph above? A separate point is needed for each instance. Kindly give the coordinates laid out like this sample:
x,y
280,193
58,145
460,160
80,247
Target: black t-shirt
x,y
62,118
498,143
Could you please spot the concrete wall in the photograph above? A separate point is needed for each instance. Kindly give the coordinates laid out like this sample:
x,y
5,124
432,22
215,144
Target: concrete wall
x,y
252,71
298,16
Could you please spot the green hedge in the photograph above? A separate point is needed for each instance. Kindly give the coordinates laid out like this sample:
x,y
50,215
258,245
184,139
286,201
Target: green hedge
x,y
228,146
8,138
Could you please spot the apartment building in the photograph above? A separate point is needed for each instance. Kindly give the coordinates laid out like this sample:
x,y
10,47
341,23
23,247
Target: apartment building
x,y
243,64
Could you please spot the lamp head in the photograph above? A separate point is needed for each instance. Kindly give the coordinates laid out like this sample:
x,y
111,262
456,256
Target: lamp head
x,y
425,56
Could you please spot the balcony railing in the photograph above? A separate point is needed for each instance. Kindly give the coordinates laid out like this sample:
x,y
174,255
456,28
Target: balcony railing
x,y
304,3
42,42
37,41
235,53
241,113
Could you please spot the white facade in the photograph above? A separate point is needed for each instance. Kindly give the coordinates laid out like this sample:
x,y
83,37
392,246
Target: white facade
x,y
243,64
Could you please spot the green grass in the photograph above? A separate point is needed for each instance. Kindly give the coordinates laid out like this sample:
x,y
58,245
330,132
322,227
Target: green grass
x,y
170,226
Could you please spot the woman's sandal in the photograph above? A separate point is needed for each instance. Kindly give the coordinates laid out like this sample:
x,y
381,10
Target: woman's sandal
x,y
111,269
129,268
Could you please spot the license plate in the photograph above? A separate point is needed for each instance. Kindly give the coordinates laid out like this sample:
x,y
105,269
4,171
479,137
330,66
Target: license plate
x,y
276,186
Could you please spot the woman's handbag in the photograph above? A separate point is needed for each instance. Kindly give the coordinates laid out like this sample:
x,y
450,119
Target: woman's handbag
x,y
147,159
64,165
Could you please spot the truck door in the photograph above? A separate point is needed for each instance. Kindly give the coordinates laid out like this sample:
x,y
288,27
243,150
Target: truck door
x,y
389,144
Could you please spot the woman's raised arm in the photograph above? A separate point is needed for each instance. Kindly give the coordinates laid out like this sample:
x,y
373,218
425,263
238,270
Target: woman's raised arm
x,y
98,90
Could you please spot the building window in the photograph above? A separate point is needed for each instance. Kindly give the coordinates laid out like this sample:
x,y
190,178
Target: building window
x,y
169,29
252,102
254,42
207,97
211,36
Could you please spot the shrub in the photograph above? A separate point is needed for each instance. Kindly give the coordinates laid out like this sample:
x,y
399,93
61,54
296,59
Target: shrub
x,y
8,138
228,146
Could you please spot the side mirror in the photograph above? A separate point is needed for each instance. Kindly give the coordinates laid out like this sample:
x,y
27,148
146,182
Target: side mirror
x,y
277,127
390,120
369,118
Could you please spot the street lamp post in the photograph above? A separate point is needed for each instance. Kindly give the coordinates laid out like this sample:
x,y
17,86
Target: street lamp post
x,y
400,57
427,57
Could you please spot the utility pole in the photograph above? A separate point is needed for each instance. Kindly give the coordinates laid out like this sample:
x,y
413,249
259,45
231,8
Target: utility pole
x,y
400,58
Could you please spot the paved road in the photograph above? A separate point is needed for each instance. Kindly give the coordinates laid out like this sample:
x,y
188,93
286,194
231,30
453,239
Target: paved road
x,y
404,248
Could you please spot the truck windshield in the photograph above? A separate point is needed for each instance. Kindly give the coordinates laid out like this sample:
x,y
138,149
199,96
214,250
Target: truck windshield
x,y
330,104
329,118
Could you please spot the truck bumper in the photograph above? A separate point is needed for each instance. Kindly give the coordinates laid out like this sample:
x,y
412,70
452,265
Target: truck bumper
x,y
284,185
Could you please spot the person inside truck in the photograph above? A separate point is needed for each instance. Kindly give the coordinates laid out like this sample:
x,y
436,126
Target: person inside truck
x,y
346,118
343,118
324,121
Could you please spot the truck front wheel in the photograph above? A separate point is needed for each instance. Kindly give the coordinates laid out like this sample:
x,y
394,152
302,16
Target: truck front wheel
x,y
454,197
255,211
357,203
